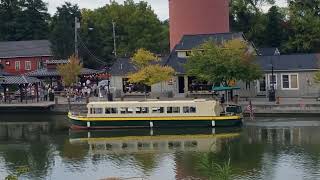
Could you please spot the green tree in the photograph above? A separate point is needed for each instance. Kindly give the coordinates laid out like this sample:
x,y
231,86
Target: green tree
x,y
233,60
70,71
149,71
33,21
9,11
276,32
304,22
136,26
23,20
62,30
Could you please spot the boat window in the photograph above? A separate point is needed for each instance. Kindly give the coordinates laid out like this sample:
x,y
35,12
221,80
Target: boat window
x,y
173,109
157,109
111,111
96,110
189,109
126,110
142,110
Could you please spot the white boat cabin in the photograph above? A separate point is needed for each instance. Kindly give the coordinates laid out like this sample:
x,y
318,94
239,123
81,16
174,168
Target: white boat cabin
x,y
197,107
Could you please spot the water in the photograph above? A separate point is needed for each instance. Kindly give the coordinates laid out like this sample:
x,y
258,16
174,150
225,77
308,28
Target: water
x,y
41,147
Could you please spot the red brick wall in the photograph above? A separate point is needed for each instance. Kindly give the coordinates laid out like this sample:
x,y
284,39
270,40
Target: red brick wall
x,y
9,64
197,17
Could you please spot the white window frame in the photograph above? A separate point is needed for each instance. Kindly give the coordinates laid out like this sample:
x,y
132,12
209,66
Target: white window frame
x,y
289,75
17,64
25,65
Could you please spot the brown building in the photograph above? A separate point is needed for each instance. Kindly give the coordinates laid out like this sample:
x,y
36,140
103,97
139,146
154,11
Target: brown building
x,y
190,17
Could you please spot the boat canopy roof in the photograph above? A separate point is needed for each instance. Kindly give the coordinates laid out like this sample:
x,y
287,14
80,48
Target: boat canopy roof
x,y
150,102
225,88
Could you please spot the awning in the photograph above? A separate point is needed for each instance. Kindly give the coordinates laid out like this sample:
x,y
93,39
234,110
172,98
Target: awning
x,y
10,80
225,88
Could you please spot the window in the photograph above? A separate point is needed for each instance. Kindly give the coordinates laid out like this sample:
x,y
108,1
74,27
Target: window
x,y
158,110
290,81
173,110
126,110
142,110
17,65
111,111
96,110
27,65
188,53
188,109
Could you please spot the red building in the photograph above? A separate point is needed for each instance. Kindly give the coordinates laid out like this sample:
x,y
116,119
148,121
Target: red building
x,y
190,17
19,57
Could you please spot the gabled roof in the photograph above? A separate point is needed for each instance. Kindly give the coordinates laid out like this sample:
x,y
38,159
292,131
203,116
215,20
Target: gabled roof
x,y
124,66
189,42
11,49
294,62
8,80
268,51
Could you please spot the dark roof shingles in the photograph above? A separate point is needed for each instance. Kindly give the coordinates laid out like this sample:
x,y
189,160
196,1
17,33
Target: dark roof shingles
x,y
294,62
189,42
10,49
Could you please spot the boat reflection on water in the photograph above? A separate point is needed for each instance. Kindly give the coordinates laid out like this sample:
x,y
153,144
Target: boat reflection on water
x,y
154,140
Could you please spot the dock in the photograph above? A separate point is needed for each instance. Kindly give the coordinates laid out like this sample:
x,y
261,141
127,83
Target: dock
x,y
27,107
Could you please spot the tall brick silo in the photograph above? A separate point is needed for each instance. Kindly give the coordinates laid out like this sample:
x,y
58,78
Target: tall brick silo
x,y
197,17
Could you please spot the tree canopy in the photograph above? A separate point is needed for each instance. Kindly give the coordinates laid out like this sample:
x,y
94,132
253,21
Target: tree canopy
x,y
23,20
136,26
62,30
233,60
70,71
149,71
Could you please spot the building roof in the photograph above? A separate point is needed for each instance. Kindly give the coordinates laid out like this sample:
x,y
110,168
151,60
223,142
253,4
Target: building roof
x,y
294,62
124,66
268,51
10,80
11,49
189,42
44,72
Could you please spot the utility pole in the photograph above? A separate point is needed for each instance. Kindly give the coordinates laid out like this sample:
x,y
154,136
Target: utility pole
x,y
114,39
76,26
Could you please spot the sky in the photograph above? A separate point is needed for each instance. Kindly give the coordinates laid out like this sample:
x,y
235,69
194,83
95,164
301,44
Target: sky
x,y
160,6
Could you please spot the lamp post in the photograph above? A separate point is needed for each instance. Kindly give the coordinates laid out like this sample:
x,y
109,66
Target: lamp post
x,y
272,93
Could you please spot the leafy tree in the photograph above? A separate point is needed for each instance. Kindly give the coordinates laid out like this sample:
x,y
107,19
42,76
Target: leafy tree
x,y
136,26
149,72
70,71
23,20
33,21
305,22
275,33
233,60
62,30
9,11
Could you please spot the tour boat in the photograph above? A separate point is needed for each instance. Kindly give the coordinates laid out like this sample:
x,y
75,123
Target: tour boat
x,y
154,114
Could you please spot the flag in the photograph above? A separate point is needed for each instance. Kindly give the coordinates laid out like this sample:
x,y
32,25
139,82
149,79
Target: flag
x,y
250,110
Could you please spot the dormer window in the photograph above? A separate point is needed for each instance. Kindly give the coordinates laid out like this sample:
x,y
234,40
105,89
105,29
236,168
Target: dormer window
x,y
183,54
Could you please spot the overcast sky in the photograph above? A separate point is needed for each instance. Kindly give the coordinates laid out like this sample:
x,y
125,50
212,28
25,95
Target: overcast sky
x,y
160,6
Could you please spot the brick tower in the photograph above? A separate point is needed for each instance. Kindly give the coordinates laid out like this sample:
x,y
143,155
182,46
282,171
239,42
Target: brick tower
x,y
197,17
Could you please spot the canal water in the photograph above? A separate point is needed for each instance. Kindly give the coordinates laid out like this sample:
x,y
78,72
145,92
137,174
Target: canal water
x,y
41,147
